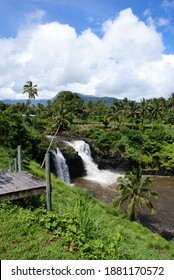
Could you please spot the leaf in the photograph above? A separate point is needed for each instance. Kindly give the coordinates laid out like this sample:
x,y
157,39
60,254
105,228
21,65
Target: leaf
x,y
73,228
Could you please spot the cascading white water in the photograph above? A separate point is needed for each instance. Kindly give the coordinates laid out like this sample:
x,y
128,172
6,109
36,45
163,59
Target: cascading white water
x,y
61,168
93,172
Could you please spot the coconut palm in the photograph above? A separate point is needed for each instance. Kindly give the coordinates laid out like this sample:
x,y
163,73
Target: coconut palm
x,y
142,111
30,89
135,189
171,101
156,109
132,111
116,112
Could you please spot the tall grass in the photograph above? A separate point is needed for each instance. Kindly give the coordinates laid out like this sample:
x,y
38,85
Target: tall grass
x,y
79,227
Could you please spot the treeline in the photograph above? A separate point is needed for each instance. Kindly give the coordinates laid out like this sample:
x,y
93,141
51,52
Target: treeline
x,y
139,131
70,107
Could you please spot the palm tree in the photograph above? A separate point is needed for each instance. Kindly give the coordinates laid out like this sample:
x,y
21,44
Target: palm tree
x,y
142,111
134,188
155,109
30,89
171,101
132,111
115,112
62,117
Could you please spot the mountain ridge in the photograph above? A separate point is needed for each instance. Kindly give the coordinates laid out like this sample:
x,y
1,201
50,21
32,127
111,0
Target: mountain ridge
x,y
86,98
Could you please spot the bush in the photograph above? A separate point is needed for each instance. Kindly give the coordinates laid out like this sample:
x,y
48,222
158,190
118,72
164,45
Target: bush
x,y
160,135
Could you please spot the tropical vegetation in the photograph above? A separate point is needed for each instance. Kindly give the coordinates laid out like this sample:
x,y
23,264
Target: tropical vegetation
x,y
135,189
80,227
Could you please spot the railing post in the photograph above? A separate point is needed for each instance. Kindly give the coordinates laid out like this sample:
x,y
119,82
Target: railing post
x,y
15,165
48,182
10,167
19,158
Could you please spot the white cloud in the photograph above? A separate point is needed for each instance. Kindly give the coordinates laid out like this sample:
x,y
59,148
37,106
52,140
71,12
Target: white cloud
x,y
35,16
127,61
147,12
167,4
163,21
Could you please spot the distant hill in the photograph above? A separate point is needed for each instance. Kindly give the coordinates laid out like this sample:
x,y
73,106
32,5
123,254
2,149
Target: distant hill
x,y
86,98
33,101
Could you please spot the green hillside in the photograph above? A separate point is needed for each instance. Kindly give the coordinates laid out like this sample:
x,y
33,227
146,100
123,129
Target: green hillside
x,y
79,227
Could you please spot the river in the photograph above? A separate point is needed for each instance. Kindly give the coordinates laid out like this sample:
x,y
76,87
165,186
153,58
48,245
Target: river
x,y
102,184
162,221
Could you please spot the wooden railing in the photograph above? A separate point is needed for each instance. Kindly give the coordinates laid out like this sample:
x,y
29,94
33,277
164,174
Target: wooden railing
x,y
18,168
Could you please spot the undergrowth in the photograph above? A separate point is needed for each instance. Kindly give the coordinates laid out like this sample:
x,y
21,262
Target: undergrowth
x,y
79,227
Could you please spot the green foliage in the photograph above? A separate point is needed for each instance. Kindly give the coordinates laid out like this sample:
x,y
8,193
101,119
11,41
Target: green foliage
x,y
160,135
72,102
30,89
166,156
6,155
134,188
133,154
169,119
151,147
80,227
135,137
108,140
15,131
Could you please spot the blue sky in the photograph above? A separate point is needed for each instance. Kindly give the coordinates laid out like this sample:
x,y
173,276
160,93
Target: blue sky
x,y
100,45
83,14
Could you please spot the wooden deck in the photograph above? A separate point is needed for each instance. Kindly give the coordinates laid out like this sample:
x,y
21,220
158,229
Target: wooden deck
x,y
19,185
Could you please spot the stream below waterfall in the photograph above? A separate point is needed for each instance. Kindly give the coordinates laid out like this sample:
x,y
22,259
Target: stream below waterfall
x,y
102,185
161,221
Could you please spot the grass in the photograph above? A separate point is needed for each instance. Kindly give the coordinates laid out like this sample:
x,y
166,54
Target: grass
x,y
79,227
6,155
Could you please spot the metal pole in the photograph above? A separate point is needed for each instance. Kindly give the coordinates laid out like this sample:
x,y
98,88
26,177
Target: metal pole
x,y
10,167
19,158
15,164
48,182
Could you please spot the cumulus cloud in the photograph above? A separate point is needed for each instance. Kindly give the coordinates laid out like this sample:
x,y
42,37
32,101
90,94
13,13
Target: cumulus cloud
x,y
166,4
126,61
35,17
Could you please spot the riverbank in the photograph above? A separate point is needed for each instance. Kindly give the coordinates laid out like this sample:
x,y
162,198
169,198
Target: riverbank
x,y
80,227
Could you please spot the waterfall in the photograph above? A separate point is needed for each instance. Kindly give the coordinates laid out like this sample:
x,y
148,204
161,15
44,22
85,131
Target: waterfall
x,y
106,177
61,167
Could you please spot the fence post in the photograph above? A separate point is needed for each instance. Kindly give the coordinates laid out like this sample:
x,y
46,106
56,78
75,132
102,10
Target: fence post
x,y
10,167
19,158
48,182
15,165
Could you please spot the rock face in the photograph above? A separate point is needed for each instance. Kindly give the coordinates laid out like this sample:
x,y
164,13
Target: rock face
x,y
73,160
75,164
113,162
104,161
168,235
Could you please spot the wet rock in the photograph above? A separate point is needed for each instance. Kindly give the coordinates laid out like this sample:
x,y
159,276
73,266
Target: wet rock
x,y
75,164
168,235
113,162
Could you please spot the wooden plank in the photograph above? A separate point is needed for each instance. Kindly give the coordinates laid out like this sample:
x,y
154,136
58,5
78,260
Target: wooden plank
x,y
19,185
22,194
6,182
23,183
2,191
27,178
